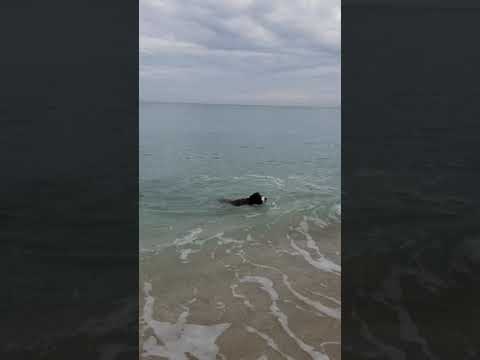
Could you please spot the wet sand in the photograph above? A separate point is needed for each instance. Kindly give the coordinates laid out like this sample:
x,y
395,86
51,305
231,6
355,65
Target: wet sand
x,y
269,293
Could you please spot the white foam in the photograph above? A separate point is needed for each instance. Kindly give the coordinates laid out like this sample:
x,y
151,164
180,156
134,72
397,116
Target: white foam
x,y
192,238
284,251
185,252
246,302
267,286
189,238
222,240
270,342
322,263
144,251
323,344
316,313
241,253
180,338
242,256
304,230
331,312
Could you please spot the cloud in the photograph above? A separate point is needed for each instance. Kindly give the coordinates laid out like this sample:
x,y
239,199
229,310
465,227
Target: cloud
x,y
150,45
248,51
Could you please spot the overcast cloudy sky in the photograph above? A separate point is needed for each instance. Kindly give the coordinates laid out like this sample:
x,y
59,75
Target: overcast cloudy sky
x,y
240,51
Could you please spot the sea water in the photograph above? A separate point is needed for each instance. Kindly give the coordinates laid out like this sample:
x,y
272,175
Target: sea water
x,y
215,277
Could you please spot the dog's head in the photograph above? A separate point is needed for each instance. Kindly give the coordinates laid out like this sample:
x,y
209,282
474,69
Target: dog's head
x,y
257,199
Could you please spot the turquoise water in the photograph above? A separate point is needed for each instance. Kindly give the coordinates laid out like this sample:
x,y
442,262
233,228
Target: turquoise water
x,y
190,155
215,277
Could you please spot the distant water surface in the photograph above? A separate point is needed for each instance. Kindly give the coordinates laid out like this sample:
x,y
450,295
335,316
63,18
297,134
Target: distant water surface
x,y
269,275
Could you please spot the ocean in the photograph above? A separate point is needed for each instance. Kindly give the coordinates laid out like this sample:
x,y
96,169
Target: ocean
x,y
224,282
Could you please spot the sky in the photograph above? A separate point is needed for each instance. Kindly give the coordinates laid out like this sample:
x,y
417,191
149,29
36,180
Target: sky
x,y
269,52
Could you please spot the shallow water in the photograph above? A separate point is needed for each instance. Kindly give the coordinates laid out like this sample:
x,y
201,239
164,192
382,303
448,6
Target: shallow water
x,y
216,277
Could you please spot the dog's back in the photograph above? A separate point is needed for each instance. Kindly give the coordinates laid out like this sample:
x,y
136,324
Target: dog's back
x,y
254,199
236,202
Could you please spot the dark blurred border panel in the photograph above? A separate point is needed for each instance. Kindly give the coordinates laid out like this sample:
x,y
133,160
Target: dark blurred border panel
x,y
411,180
68,179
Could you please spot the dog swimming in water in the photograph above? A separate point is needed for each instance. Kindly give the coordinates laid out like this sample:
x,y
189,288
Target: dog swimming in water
x,y
254,199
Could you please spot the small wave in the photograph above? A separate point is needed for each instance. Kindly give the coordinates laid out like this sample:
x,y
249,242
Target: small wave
x,y
189,238
304,230
267,286
322,263
222,240
331,312
179,339
334,313
144,251
336,212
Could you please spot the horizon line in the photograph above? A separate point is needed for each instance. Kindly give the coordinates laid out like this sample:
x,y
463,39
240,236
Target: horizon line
x,y
233,104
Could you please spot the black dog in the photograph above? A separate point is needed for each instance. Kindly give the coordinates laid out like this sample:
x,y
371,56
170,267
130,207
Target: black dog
x,y
254,199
